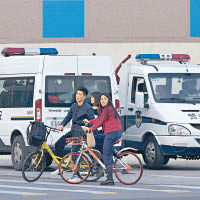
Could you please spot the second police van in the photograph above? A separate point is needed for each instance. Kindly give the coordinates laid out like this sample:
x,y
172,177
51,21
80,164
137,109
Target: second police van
x,y
160,107
38,84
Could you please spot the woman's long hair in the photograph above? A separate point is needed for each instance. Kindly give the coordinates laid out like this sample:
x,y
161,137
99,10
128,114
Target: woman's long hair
x,y
109,104
96,96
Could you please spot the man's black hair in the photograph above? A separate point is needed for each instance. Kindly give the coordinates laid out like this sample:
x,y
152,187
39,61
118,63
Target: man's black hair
x,y
82,89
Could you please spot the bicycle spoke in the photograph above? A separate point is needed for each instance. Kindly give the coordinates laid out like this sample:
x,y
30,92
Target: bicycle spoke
x,y
128,169
96,171
34,166
72,173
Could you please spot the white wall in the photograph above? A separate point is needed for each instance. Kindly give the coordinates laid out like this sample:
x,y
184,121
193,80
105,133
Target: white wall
x,y
118,51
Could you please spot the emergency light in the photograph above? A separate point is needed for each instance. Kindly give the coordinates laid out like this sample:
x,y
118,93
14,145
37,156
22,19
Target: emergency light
x,y
143,58
28,51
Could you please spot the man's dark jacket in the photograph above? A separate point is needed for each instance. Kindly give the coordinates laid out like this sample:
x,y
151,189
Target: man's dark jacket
x,y
78,114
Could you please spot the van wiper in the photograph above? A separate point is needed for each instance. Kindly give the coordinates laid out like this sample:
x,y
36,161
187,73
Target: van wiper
x,y
178,99
171,98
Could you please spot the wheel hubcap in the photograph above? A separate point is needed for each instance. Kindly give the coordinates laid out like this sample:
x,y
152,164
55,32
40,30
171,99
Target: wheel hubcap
x,y
150,152
17,153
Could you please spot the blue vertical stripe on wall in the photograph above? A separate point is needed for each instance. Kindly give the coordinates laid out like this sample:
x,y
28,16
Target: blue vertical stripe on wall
x,y
63,18
195,18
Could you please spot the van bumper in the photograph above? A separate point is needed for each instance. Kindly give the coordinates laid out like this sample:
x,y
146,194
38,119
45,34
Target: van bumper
x,y
180,151
179,145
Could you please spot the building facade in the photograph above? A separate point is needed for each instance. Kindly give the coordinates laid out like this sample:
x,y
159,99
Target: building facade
x,y
106,27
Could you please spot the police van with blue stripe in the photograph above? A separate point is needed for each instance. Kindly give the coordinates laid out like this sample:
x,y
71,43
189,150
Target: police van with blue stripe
x,y
39,85
160,107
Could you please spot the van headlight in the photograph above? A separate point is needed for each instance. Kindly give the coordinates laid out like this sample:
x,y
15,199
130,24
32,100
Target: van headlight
x,y
178,130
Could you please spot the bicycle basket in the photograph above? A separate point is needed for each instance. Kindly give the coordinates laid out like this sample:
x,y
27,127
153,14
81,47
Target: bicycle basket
x,y
74,140
36,133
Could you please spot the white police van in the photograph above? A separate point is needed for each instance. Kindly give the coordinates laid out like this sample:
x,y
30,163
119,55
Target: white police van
x,y
160,108
37,84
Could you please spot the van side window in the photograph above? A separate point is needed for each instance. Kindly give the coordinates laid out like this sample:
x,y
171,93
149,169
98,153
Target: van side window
x,y
16,92
138,85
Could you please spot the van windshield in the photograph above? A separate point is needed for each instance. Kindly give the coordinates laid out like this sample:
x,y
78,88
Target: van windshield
x,y
175,87
60,90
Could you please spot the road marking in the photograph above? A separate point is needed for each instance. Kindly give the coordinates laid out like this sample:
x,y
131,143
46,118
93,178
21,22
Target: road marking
x,y
34,194
105,193
172,176
181,186
52,189
22,193
80,186
178,191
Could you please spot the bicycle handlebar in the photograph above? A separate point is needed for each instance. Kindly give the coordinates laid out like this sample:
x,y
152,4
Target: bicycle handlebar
x,y
51,128
55,129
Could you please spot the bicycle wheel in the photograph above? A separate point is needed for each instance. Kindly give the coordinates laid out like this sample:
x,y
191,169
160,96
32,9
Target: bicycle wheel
x,y
96,171
33,166
68,171
128,168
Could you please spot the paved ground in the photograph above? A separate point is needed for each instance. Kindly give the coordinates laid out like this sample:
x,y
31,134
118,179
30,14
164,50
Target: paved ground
x,y
178,180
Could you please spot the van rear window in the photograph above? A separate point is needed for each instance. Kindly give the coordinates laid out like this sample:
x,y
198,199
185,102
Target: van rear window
x,y
60,90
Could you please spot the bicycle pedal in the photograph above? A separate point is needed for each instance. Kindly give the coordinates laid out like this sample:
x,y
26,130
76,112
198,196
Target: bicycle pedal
x,y
67,160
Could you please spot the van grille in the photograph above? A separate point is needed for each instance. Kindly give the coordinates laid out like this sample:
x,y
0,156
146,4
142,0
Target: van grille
x,y
197,126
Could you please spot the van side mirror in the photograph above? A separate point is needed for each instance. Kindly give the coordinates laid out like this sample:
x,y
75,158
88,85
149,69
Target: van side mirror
x,y
141,100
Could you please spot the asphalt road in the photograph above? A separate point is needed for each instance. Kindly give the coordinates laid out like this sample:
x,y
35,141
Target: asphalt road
x,y
179,180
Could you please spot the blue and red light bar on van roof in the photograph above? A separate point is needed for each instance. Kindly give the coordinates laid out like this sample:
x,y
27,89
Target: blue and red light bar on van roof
x,y
165,57
28,51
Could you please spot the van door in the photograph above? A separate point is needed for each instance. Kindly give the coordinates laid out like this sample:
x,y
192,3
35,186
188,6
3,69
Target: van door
x,y
59,96
97,74
133,115
100,84
59,85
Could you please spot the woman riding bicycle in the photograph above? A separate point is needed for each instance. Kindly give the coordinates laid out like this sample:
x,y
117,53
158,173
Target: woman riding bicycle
x,y
109,119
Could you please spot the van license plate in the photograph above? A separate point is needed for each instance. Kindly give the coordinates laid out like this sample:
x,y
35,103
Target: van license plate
x,y
55,124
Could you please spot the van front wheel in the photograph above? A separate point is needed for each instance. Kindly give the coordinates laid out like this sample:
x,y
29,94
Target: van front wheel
x,y
18,152
152,154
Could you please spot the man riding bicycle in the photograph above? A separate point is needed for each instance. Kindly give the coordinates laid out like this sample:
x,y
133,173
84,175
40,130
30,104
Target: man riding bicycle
x,y
79,111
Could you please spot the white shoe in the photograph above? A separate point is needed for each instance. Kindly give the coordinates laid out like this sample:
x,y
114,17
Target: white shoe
x,y
56,172
74,179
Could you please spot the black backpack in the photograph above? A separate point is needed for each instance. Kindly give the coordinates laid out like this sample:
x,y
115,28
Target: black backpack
x,y
36,132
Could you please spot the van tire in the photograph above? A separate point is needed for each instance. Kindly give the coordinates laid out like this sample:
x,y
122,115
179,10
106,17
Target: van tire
x,y
18,152
152,154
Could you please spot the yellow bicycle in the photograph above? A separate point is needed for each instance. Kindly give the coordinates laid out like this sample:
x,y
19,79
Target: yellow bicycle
x,y
35,162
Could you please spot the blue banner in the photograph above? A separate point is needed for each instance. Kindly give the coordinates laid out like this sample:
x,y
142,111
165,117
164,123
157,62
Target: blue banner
x,y
195,18
63,18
